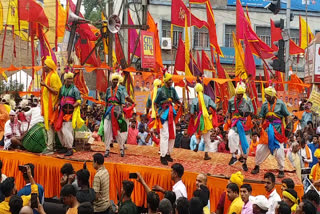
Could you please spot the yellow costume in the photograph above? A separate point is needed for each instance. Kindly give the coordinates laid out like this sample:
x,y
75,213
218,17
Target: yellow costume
x,y
315,171
49,100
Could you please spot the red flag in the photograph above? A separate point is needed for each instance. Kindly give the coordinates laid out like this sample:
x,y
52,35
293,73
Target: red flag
x,y
119,52
212,29
198,1
275,35
278,78
132,36
254,94
206,62
249,61
266,75
295,49
31,11
180,57
223,88
178,12
240,20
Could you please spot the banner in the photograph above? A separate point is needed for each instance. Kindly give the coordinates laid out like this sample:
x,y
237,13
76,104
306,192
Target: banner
x,y
291,99
141,98
148,59
315,99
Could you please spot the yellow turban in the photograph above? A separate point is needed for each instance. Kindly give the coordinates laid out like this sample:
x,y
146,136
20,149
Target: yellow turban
x,y
50,63
68,75
317,153
156,83
270,91
167,77
240,89
198,88
115,76
237,178
121,79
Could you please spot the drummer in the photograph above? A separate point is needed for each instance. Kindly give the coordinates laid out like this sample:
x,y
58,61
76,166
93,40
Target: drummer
x,y
69,114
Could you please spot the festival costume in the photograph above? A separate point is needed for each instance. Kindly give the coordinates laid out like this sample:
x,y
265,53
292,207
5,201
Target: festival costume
x,y
315,171
239,134
154,122
4,117
274,115
164,100
114,123
203,123
69,118
49,100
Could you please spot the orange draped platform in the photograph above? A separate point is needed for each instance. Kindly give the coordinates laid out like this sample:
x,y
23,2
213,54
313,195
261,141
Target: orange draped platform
x,y
145,160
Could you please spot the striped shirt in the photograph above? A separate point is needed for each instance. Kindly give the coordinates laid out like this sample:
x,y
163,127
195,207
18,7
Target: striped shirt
x,y
101,188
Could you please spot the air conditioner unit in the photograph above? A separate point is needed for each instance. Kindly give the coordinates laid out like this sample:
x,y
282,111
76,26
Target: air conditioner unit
x,y
166,43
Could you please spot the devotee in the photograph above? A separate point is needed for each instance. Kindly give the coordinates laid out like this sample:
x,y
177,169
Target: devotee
x,y
178,188
315,171
101,185
287,183
201,108
8,189
260,205
4,117
272,195
127,206
239,109
253,144
295,159
151,98
305,154
306,207
290,197
307,115
233,196
166,97
69,114
245,193
50,88
68,196
85,193
12,132
114,124
274,112
224,203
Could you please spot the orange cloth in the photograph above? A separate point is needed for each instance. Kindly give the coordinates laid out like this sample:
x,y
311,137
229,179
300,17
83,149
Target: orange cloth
x,y
4,117
253,148
49,100
263,137
295,125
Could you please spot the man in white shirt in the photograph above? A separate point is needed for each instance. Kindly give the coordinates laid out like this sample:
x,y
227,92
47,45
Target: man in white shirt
x,y
178,188
305,154
12,131
272,195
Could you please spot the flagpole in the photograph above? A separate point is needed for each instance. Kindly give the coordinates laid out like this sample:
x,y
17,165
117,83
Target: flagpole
x,y
190,38
307,51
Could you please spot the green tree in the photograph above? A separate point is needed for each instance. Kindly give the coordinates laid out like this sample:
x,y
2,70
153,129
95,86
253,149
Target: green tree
x,y
92,9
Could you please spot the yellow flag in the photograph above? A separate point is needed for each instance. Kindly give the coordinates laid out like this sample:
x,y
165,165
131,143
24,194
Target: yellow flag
x,y
240,69
13,20
231,88
262,93
187,49
305,37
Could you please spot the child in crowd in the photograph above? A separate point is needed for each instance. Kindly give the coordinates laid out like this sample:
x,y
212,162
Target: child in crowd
x,y
253,144
143,136
95,133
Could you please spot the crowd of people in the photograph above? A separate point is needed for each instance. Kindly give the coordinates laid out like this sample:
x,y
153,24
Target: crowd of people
x,y
79,197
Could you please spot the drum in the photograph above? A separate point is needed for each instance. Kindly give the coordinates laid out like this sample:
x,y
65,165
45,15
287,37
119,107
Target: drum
x,y
36,139
67,108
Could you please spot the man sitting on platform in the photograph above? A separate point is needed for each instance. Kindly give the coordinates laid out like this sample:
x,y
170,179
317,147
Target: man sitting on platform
x,y
11,131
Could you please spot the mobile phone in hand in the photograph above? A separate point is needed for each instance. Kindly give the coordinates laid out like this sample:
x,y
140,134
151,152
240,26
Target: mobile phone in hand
x,y
22,168
133,175
34,200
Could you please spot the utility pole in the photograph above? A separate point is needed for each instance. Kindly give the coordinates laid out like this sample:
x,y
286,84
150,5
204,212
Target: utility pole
x,y
110,38
287,42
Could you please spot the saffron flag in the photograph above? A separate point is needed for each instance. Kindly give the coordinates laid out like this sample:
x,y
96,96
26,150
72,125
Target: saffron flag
x,y
119,52
240,20
212,29
31,11
206,64
266,74
180,57
306,35
13,20
187,49
153,28
132,37
222,89
198,1
249,61
295,49
240,69
178,12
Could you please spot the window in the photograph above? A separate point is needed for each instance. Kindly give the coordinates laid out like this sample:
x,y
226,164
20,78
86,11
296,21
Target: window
x,y
295,35
264,34
166,32
228,40
201,38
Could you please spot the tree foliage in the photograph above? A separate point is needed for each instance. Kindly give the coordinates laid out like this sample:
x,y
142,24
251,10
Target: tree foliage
x,y
12,85
92,9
